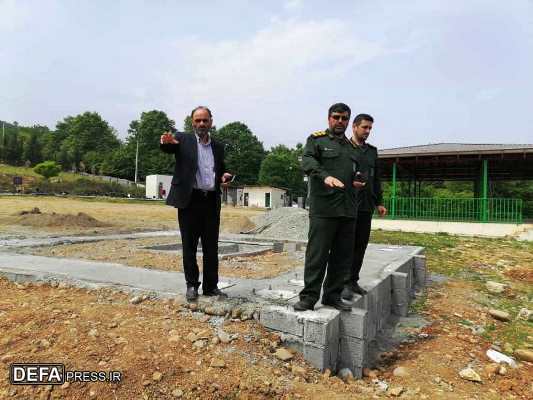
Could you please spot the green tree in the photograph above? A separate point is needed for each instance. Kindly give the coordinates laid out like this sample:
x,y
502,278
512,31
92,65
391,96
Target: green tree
x,y
82,134
12,152
244,152
32,148
146,131
187,124
281,167
47,169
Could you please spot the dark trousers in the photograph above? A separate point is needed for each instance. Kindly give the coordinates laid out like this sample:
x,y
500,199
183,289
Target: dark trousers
x,y
330,245
200,220
362,235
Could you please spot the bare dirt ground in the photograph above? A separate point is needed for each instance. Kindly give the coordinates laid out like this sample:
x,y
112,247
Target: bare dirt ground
x,y
115,216
166,351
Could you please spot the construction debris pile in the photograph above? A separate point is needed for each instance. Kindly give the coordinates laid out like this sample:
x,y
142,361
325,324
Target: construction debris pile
x,y
284,222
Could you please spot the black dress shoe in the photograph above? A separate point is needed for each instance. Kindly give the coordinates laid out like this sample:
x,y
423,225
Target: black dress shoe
x,y
303,305
338,304
350,291
215,292
347,293
192,294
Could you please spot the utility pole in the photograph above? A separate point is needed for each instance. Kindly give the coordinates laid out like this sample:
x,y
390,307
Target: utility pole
x,y
136,161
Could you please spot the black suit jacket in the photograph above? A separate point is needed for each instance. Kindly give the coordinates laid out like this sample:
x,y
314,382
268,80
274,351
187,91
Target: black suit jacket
x,y
186,155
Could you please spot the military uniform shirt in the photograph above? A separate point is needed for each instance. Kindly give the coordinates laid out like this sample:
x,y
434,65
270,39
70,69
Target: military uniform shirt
x,y
326,154
371,194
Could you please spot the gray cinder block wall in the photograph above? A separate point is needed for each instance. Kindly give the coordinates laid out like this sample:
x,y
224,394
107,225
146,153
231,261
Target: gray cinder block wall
x,y
330,339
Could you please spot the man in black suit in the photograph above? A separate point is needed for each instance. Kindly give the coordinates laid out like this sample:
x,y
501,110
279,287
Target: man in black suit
x,y
195,192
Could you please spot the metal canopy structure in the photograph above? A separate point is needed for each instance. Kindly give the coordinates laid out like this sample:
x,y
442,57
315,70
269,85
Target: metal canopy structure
x,y
478,163
458,162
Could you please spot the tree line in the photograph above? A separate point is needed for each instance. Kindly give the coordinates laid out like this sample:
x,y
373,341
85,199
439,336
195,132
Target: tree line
x,y
88,143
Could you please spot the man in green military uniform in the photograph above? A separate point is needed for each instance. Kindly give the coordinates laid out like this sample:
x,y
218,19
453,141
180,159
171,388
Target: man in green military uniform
x,y
330,161
370,197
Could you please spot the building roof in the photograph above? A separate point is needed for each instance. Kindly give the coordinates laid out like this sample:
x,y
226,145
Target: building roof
x,y
454,149
458,161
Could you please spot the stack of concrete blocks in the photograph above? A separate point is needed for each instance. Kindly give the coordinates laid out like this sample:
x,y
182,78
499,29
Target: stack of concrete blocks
x,y
313,333
333,340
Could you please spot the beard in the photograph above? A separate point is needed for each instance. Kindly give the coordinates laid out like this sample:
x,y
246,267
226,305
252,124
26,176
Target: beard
x,y
201,131
339,130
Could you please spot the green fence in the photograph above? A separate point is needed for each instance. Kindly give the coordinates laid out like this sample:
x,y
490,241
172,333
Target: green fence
x,y
469,209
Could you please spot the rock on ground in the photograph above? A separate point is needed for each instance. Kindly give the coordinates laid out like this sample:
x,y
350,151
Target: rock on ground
x,y
470,375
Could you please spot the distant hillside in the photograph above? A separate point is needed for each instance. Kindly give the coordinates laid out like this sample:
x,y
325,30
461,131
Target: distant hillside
x,y
66,182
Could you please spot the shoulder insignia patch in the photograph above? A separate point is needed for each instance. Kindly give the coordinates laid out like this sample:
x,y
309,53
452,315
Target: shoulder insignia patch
x,y
319,134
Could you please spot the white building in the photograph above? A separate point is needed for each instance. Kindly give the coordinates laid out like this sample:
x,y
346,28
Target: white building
x,y
263,196
158,186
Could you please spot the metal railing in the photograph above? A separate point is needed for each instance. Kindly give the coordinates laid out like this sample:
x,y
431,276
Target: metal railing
x,y
455,209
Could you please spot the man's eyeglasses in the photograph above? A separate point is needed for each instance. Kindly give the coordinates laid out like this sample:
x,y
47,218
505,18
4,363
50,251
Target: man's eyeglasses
x,y
340,117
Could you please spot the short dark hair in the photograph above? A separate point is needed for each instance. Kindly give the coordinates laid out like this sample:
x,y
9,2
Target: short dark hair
x,y
362,117
340,108
202,108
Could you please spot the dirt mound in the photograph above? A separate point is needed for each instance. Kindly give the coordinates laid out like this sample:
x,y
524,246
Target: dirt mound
x,y
34,210
236,223
38,219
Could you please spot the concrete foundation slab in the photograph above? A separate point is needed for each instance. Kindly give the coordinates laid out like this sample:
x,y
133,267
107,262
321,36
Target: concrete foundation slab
x,y
326,337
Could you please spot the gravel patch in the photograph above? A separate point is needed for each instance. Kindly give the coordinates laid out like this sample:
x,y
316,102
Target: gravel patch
x,y
283,222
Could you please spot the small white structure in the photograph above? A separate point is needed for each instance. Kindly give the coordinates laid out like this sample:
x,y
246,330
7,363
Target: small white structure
x,y
263,196
158,186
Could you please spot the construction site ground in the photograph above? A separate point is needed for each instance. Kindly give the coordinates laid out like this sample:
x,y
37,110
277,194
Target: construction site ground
x,y
166,351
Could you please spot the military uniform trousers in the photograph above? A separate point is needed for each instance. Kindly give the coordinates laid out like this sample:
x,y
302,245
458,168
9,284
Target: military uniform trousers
x,y
362,235
330,244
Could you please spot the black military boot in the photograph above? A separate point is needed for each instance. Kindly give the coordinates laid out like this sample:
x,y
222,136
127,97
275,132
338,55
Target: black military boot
x,y
303,305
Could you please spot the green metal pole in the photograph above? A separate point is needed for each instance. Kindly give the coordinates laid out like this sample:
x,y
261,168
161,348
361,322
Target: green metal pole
x,y
484,189
393,196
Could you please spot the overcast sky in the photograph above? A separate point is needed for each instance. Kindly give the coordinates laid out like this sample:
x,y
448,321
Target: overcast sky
x,y
429,71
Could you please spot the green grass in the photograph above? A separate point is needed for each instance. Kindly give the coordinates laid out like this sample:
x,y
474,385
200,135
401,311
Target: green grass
x,y
456,257
11,170
17,171
68,182
419,304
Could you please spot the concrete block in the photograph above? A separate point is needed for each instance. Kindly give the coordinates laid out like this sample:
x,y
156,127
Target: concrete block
x,y
371,306
292,247
322,357
354,323
277,247
384,301
358,302
321,327
353,353
372,354
420,271
400,293
292,342
283,319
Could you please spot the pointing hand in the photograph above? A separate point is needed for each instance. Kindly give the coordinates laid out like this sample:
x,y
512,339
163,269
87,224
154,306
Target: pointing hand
x,y
168,138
